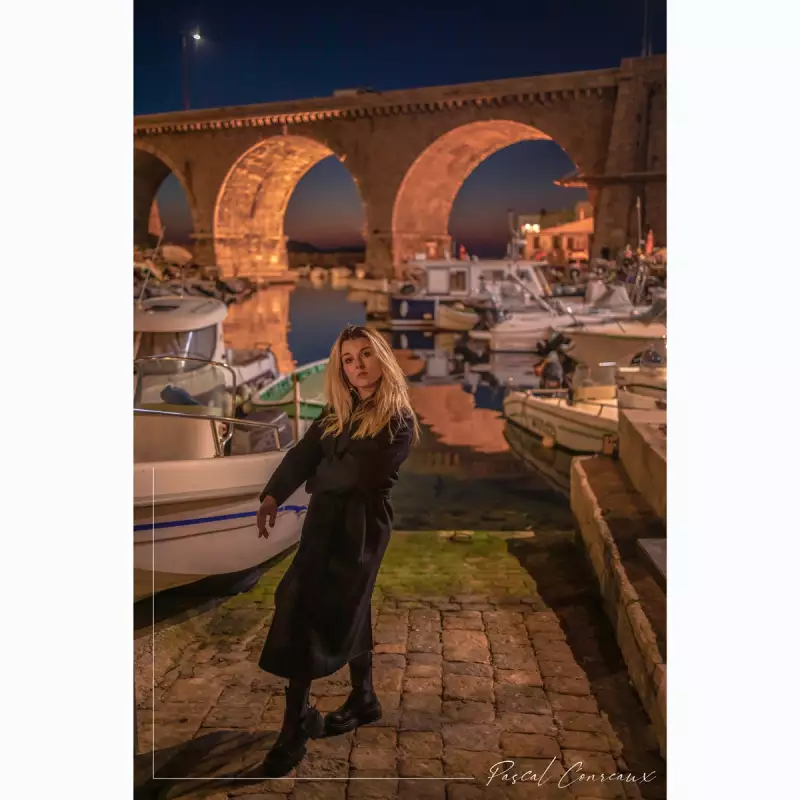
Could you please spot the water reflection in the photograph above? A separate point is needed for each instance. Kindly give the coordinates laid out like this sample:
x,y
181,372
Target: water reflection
x,y
464,473
301,322
263,319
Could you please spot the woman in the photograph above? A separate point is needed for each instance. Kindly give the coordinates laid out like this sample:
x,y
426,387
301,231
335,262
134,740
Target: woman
x,y
349,457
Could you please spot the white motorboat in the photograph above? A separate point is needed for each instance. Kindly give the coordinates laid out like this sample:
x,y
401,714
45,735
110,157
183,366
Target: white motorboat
x,y
449,318
522,332
451,280
581,426
195,504
617,341
184,326
519,333
583,420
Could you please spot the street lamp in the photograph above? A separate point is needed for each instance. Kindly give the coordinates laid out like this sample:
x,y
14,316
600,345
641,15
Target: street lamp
x,y
185,66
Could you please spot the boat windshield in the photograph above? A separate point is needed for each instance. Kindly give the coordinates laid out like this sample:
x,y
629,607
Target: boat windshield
x,y
200,343
601,375
183,384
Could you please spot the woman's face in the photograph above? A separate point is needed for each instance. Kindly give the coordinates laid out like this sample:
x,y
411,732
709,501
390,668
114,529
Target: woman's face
x,y
361,365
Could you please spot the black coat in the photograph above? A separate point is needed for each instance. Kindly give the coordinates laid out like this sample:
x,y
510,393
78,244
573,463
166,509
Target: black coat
x,y
322,604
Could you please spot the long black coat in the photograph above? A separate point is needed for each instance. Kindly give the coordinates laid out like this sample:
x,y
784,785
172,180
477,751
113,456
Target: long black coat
x,y
322,604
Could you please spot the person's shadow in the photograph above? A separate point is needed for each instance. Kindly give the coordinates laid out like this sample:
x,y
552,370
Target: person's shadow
x,y
205,766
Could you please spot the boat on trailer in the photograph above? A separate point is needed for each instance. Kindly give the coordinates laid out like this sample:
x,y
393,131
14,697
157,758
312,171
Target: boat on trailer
x,y
195,500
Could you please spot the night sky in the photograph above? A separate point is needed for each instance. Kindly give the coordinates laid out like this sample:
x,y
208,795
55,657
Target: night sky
x,y
256,53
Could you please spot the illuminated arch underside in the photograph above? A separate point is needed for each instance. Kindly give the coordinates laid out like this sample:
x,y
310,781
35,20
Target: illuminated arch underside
x,y
422,209
248,221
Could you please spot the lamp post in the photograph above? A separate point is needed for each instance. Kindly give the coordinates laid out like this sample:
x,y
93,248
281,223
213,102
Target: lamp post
x,y
185,66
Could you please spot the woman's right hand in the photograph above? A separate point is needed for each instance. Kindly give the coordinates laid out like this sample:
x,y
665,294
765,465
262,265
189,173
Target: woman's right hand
x,y
268,510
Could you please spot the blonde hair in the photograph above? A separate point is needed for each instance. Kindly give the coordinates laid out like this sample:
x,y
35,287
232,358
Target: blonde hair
x,y
389,403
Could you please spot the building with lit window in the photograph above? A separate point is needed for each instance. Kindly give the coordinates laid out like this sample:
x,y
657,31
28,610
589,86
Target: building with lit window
x,y
559,237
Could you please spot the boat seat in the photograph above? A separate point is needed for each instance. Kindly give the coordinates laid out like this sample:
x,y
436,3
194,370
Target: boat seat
x,y
162,438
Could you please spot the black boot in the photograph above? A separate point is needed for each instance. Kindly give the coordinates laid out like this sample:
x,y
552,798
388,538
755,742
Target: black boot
x,y
362,706
301,722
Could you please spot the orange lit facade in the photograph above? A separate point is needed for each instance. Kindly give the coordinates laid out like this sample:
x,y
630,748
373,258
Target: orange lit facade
x,y
569,241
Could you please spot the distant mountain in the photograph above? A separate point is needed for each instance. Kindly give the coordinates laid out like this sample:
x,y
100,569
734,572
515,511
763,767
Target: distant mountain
x,y
304,247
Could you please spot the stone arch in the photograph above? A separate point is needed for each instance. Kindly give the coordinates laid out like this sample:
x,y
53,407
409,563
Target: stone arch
x,y
421,213
150,167
252,201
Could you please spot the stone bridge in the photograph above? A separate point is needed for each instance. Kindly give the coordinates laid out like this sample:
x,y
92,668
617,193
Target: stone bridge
x,y
409,152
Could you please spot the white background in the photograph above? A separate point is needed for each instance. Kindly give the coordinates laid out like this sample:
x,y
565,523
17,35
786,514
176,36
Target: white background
x,y
734,489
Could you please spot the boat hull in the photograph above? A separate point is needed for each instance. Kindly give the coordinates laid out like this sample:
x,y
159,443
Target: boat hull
x,y
515,340
614,344
413,312
567,426
201,519
453,319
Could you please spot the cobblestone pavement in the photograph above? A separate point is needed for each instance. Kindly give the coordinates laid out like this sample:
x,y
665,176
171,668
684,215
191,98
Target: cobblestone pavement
x,y
529,674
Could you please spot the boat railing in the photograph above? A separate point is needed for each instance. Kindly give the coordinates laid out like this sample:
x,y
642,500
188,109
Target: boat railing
x,y
214,420
220,442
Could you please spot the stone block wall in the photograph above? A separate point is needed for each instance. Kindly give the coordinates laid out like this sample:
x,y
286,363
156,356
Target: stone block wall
x,y
635,636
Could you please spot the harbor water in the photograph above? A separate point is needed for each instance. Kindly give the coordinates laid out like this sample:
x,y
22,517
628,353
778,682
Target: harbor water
x,y
464,474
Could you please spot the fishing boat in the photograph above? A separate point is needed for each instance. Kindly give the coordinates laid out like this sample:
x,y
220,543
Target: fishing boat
x,y
195,503
582,420
184,326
